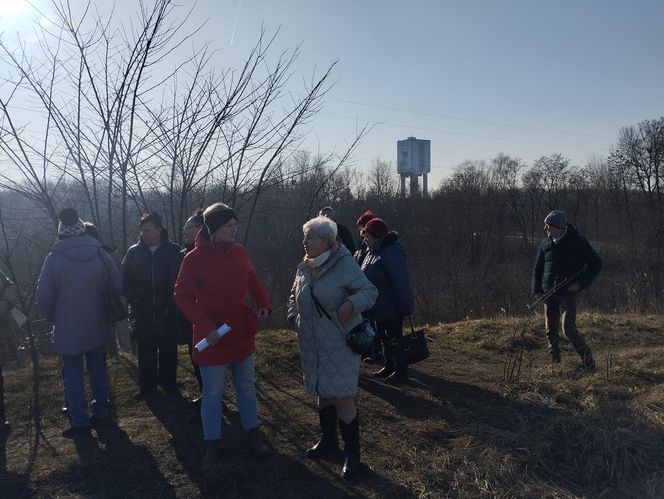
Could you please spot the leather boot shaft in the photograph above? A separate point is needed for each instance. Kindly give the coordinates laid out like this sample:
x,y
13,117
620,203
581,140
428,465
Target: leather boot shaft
x,y
350,433
328,443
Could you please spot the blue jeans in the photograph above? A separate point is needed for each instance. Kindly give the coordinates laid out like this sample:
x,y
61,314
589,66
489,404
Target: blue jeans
x,y
75,389
214,386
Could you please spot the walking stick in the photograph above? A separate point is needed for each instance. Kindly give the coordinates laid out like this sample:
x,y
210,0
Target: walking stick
x,y
514,357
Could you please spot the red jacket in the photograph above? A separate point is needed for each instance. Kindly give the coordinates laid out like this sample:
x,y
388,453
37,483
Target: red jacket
x,y
214,286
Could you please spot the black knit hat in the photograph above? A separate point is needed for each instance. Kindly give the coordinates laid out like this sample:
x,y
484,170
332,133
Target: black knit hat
x,y
70,225
218,217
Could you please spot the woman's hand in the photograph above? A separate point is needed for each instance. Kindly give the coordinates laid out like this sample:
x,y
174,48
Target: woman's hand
x,y
262,313
344,312
213,337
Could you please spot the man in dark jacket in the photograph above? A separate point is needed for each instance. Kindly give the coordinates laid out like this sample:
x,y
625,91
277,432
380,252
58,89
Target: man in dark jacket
x,y
343,234
564,255
150,269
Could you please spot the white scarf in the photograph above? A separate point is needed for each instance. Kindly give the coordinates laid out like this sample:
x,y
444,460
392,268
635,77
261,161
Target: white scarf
x,y
314,263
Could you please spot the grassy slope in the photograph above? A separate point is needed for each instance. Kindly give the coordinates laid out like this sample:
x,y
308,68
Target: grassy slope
x,y
457,430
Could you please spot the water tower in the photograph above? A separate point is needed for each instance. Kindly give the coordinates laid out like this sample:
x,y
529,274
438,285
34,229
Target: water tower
x,y
413,160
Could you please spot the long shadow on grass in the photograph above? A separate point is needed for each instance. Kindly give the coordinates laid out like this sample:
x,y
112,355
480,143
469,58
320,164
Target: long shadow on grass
x,y
597,453
295,434
182,421
11,484
118,469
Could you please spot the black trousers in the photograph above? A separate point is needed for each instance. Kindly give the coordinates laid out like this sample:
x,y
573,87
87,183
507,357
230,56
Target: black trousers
x,y
197,370
386,330
157,362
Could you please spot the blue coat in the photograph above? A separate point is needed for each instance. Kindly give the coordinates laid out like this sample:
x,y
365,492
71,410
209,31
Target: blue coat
x,y
70,294
556,261
385,266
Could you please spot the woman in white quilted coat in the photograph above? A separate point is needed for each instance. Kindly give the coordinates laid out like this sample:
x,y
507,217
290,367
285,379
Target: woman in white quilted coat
x,y
329,294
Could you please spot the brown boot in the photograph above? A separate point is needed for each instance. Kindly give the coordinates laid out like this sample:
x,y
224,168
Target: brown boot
x,y
256,444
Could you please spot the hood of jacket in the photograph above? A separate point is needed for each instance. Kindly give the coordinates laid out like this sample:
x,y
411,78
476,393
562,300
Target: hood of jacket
x,y
388,239
570,232
77,248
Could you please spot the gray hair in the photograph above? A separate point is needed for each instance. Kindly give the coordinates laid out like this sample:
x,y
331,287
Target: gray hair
x,y
323,227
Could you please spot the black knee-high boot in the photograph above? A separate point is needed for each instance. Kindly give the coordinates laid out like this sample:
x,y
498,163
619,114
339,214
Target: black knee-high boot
x,y
350,433
328,443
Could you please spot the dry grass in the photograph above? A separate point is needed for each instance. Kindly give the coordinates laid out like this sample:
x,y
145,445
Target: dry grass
x,y
456,430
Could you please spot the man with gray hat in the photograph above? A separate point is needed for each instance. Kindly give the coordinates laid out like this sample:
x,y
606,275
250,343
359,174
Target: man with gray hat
x,y
564,255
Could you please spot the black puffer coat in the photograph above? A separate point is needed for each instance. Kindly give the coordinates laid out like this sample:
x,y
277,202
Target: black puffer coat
x,y
556,261
149,278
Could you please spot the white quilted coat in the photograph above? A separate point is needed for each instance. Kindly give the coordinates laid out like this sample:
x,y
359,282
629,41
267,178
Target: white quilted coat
x,y
330,367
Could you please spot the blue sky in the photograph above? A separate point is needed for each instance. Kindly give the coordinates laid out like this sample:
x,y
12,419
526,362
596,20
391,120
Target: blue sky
x,y
523,77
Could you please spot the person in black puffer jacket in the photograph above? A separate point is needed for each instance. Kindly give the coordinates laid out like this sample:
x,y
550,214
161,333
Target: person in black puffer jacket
x,y
385,266
150,269
564,254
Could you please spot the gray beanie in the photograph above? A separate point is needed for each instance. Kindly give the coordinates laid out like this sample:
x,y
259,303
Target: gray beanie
x,y
556,219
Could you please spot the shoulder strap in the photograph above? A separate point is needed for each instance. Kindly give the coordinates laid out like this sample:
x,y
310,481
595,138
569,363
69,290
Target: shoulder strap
x,y
321,310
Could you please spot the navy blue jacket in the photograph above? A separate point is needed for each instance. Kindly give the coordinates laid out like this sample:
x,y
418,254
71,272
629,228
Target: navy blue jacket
x,y
556,261
385,266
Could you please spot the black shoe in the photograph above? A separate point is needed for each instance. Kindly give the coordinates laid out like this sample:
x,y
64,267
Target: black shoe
x,y
324,449
399,377
587,366
384,372
554,358
76,431
375,359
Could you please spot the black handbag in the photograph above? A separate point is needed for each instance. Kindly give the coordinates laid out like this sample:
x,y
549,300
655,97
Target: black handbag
x,y
410,348
359,339
112,307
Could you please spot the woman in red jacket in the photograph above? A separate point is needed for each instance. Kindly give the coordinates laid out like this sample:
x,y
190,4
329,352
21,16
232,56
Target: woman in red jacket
x,y
215,284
